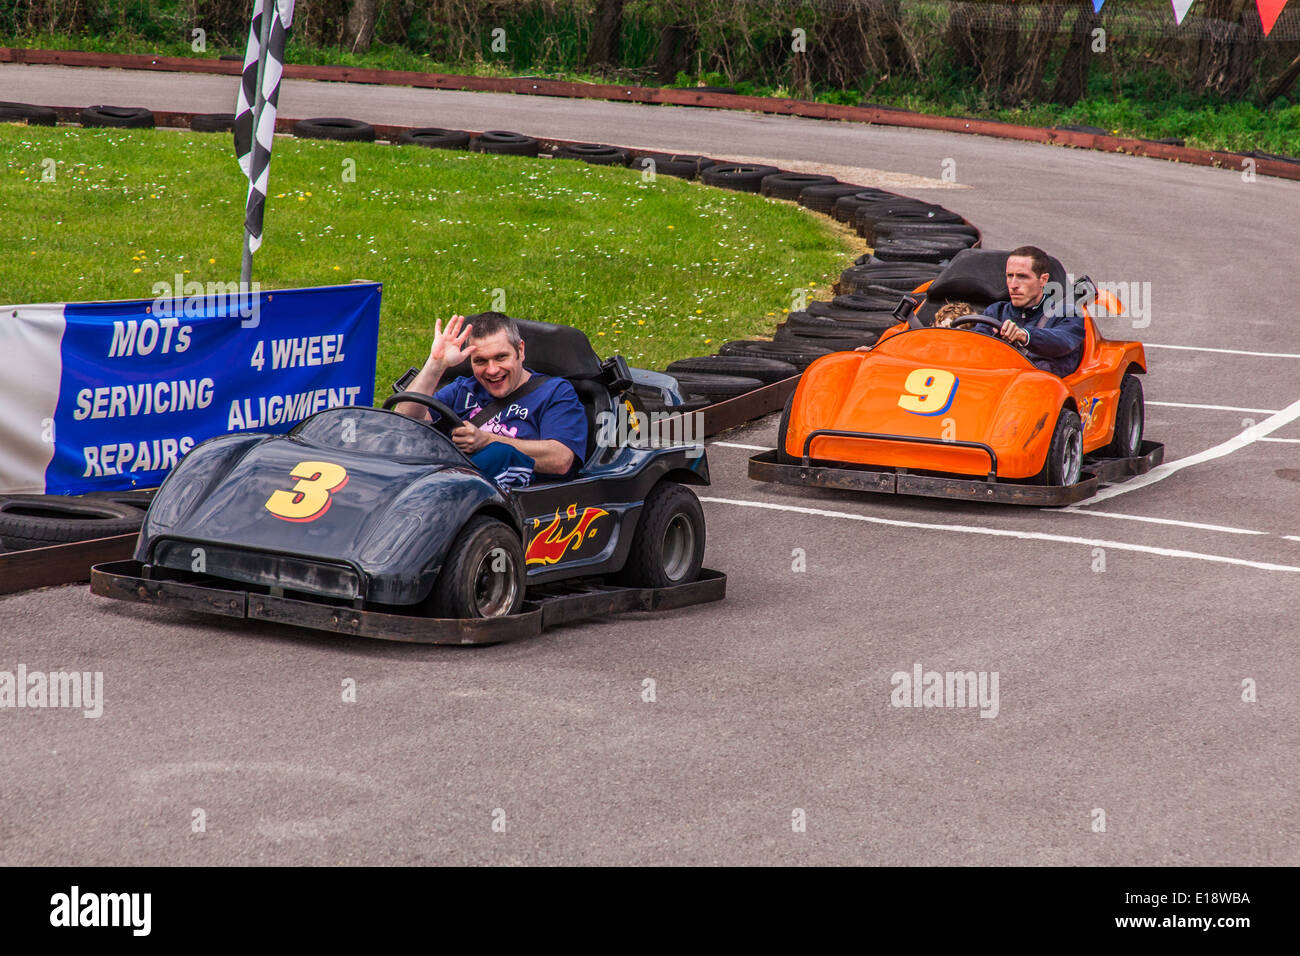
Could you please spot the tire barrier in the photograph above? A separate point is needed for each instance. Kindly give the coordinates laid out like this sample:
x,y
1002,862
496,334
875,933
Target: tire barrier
x,y
118,117
675,164
26,113
505,143
213,123
434,138
595,153
764,368
335,127
738,176
790,185
36,521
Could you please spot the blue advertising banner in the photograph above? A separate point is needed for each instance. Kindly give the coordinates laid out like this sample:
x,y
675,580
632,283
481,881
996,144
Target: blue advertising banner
x,y
137,384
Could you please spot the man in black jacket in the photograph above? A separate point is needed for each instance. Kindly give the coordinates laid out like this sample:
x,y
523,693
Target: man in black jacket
x,y
1056,345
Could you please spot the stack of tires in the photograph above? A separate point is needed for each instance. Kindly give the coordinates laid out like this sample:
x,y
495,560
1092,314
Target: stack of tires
x,y
39,521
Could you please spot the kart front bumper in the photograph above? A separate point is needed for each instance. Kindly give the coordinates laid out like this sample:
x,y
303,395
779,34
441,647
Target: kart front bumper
x,y
1096,471
544,607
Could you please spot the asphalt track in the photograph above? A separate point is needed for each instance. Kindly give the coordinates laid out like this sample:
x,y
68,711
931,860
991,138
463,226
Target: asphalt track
x,y
1120,689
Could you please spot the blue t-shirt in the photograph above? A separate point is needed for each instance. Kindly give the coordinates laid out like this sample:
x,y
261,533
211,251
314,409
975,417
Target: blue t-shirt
x,y
550,411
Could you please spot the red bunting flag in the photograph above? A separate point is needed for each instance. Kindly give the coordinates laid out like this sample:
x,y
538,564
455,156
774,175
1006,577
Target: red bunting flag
x,y
1268,13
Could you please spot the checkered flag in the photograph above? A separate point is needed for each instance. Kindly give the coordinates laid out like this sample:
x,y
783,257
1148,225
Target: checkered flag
x,y
253,146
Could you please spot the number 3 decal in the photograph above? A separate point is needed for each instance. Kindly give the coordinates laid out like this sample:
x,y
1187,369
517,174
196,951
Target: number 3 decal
x,y
929,391
311,496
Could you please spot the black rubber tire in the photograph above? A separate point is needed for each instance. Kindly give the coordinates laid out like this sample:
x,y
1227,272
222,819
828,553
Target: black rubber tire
x,y
887,275
847,321
1095,130
336,128
764,369
868,300
737,176
458,591
716,388
782,427
916,250
27,113
823,198
434,137
1067,431
846,207
232,56
867,218
1126,441
800,358
37,521
117,117
906,228
730,90
505,143
595,153
836,342
791,185
668,544
213,123
681,165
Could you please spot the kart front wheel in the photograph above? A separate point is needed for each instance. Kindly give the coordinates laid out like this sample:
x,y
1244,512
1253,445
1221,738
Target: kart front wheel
x,y
668,547
1065,455
483,574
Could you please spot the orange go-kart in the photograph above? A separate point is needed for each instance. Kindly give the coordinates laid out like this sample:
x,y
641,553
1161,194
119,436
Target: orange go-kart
x,y
952,413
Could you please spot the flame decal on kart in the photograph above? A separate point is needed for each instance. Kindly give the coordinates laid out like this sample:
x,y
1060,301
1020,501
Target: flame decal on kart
x,y
564,533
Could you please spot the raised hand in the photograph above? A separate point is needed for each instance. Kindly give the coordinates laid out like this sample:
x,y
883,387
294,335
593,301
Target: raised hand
x,y
448,346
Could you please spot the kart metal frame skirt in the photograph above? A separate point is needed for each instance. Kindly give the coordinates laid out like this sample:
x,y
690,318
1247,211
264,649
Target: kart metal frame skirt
x,y
546,606
1096,471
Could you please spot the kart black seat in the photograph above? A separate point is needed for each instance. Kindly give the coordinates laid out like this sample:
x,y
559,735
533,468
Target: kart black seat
x,y
977,276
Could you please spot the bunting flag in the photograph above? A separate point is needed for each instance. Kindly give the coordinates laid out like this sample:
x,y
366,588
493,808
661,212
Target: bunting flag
x,y
1180,10
253,146
1097,5
1268,13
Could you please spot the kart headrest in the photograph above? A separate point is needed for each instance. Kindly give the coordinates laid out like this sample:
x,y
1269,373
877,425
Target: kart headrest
x,y
979,276
559,350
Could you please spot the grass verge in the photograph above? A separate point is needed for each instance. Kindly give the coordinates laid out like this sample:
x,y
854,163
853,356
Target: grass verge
x,y
654,270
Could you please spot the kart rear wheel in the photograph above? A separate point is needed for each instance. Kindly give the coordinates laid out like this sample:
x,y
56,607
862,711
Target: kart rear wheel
x,y
1126,441
668,547
483,574
1065,455
783,456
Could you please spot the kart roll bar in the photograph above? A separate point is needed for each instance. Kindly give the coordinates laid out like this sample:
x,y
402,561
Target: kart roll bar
x,y
911,439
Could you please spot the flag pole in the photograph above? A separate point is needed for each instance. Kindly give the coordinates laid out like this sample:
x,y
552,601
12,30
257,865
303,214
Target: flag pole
x,y
268,11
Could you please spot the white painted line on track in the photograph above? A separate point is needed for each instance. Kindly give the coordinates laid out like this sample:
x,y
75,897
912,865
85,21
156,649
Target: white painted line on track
x,y
1201,348
1217,408
732,444
1235,443
1291,537
1075,510
1289,441
1005,533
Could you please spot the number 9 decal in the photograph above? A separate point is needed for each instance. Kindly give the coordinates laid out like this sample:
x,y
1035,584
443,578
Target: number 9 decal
x,y
929,391
311,496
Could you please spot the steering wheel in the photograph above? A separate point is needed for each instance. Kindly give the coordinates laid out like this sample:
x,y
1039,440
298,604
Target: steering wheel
x,y
992,323
448,421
